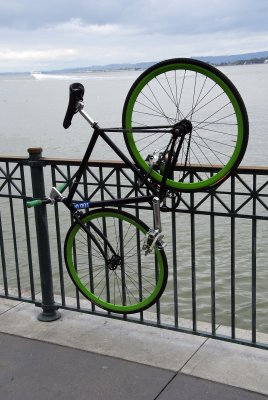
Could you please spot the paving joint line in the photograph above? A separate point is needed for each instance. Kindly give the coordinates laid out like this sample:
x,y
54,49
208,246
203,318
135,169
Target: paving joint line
x,y
180,370
194,353
164,388
11,308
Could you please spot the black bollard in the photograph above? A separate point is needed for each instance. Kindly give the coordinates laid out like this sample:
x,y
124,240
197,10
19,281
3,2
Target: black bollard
x,y
49,312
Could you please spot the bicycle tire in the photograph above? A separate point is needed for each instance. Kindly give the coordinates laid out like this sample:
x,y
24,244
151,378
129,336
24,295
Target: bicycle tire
x,y
131,285
187,89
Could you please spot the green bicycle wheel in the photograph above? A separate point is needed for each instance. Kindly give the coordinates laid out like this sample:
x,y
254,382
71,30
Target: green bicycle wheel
x,y
178,90
124,279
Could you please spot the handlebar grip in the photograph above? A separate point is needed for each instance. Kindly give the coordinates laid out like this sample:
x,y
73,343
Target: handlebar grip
x,y
62,187
34,203
39,202
76,94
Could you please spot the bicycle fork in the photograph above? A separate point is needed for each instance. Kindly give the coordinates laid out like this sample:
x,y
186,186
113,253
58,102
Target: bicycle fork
x,y
154,235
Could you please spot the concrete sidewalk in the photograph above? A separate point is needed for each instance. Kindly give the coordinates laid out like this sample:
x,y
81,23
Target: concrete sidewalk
x,y
32,369
87,357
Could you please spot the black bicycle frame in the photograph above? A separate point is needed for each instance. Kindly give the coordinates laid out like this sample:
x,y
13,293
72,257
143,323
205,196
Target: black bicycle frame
x,y
115,202
156,192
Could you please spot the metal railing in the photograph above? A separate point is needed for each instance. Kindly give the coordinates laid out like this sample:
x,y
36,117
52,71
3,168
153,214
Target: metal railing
x,y
217,247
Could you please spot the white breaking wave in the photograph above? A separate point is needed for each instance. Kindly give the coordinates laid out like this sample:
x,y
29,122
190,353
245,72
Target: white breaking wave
x,y
87,76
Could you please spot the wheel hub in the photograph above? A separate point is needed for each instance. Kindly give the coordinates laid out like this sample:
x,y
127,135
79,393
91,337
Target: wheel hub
x,y
114,262
182,128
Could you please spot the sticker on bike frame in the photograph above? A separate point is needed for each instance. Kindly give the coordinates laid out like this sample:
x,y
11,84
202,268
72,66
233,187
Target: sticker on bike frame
x,y
81,206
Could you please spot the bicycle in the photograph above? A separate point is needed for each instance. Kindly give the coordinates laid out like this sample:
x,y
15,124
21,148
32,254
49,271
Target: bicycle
x,y
179,114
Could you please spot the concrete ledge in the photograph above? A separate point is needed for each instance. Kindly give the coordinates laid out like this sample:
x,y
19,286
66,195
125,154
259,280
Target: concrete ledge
x,y
232,364
143,344
214,360
6,305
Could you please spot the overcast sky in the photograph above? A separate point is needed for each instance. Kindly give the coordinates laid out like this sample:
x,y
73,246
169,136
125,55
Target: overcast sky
x,y
51,34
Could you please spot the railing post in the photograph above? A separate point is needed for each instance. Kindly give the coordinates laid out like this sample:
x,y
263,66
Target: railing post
x,y
49,312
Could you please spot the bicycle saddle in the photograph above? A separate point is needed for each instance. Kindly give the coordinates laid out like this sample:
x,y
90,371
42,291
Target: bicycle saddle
x,y
76,94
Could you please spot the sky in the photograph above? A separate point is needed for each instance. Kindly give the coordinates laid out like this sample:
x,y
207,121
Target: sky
x,y
54,34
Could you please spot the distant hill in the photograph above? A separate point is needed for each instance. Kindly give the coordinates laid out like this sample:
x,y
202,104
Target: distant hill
x,y
258,57
246,58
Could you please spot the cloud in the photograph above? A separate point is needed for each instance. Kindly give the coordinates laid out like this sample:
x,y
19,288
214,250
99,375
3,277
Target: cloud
x,y
11,55
184,16
77,26
64,33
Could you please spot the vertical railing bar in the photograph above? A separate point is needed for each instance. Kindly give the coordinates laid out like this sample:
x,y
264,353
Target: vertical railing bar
x,y
91,280
212,251
14,232
123,276
28,236
121,235
76,290
175,266
233,283
193,258
3,259
106,250
137,213
158,303
108,293
254,253
58,235
90,268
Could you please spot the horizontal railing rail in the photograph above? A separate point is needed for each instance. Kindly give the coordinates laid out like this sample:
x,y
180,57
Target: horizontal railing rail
x,y
216,247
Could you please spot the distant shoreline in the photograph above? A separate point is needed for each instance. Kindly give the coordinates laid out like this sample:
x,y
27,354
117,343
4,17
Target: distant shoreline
x,y
263,60
238,63
218,61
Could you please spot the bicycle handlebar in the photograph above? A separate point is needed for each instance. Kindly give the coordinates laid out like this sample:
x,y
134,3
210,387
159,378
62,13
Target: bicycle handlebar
x,y
76,95
39,202
34,203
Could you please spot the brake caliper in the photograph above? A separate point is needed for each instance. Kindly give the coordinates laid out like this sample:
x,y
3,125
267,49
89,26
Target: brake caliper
x,y
153,237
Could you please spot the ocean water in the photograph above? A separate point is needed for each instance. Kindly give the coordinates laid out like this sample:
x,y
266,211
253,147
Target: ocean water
x,y
31,115
32,111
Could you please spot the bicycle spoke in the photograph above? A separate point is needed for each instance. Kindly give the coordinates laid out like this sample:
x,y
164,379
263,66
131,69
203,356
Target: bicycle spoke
x,y
191,113
215,131
193,110
216,121
181,89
